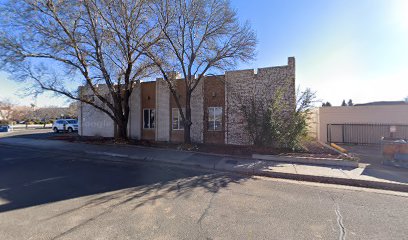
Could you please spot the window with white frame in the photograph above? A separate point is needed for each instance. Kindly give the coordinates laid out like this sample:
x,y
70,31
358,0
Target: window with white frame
x,y
214,118
177,122
148,118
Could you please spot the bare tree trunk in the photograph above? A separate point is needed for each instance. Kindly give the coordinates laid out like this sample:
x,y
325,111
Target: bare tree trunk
x,y
121,122
187,121
121,134
122,115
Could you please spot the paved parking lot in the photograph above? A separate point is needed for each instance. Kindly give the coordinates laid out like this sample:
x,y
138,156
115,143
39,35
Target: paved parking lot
x,y
367,153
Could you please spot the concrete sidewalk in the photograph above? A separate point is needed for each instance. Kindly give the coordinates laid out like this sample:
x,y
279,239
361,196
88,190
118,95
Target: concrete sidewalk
x,y
364,176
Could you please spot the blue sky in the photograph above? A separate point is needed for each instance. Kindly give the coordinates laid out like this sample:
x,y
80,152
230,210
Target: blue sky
x,y
344,49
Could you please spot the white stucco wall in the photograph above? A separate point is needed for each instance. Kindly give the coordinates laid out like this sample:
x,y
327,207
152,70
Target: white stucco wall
x,y
135,119
162,111
94,122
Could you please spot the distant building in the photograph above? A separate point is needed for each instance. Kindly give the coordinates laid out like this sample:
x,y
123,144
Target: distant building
x,y
382,103
360,124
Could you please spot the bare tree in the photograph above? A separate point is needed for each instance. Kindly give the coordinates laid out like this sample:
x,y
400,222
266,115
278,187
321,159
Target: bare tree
x,y
59,45
21,113
72,110
46,114
6,110
198,36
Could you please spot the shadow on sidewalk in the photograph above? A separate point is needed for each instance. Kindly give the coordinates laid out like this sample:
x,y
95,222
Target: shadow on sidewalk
x,y
387,173
372,155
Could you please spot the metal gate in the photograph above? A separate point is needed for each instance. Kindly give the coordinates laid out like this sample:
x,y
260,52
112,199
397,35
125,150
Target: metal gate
x,y
364,133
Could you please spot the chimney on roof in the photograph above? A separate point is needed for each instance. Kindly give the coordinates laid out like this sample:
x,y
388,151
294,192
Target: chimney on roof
x,y
291,62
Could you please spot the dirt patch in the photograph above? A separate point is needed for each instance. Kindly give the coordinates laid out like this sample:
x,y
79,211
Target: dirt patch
x,y
76,138
311,149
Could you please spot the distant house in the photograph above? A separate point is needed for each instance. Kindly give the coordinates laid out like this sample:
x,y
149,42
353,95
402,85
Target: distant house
x,y
216,107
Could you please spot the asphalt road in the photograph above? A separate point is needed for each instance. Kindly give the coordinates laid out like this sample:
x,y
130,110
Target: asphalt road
x,y
47,195
33,133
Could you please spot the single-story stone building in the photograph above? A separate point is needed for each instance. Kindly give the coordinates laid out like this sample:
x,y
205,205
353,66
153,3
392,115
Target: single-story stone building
x,y
216,107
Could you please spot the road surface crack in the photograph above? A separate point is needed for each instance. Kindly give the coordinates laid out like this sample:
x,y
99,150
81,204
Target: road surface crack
x,y
339,218
340,223
206,209
203,215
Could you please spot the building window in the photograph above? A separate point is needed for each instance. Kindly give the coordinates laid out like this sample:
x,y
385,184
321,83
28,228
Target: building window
x,y
214,118
177,122
148,118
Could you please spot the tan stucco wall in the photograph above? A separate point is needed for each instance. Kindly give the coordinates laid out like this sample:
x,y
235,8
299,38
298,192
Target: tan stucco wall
x,y
148,96
394,114
313,123
214,96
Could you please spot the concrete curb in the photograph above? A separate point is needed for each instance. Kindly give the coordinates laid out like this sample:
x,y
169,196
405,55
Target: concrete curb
x,y
324,162
338,181
298,177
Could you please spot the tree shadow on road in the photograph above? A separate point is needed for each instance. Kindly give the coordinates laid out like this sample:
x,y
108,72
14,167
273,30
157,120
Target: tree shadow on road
x,y
138,196
47,179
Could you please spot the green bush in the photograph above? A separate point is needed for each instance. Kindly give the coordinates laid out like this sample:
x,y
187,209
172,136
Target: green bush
x,y
273,123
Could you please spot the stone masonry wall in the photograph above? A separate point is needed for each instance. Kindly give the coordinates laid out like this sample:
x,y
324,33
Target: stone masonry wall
x,y
197,113
241,86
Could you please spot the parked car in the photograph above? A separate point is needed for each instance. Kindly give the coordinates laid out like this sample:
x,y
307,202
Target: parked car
x,y
70,125
6,128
